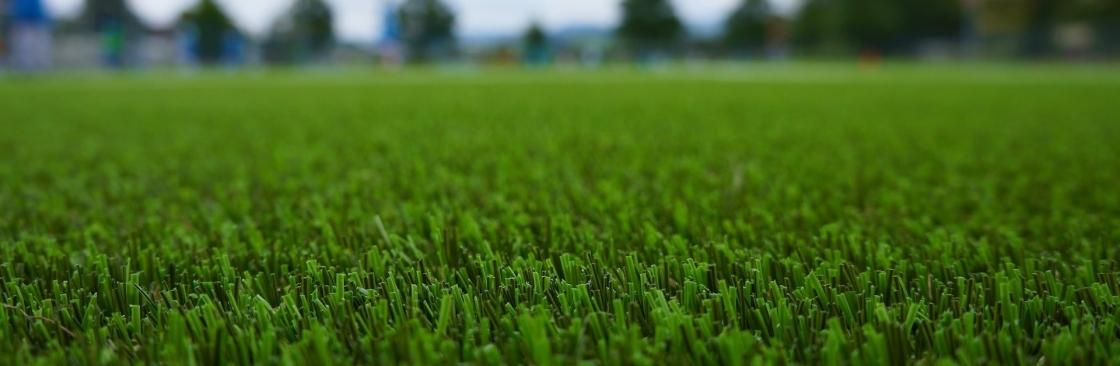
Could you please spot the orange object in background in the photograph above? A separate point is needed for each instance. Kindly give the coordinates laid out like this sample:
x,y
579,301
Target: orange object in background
x,y
870,60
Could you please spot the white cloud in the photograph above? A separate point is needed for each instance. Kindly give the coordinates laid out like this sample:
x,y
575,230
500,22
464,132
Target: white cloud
x,y
357,21
255,17
479,17
159,13
704,11
557,14
64,8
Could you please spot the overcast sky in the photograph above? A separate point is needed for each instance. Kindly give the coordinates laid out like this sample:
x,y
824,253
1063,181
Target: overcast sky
x,y
360,20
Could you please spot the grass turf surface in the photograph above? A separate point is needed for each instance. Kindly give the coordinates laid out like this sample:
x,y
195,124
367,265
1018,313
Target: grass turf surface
x,y
784,215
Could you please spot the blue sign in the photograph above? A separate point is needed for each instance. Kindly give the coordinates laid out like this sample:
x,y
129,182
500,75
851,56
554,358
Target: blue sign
x,y
29,11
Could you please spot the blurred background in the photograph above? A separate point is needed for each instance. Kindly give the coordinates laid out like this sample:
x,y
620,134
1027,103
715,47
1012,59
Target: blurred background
x,y
46,35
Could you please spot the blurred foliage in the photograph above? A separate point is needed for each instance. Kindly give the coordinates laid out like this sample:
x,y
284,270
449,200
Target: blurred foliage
x,y
97,14
427,28
305,33
536,45
118,28
930,19
211,24
898,27
535,36
746,26
816,27
885,26
649,24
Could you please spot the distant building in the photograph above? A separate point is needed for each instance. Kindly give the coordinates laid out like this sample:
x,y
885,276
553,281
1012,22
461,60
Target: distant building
x,y
158,48
583,45
73,50
29,35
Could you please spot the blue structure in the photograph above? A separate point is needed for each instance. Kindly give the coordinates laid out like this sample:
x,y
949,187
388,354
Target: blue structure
x,y
392,24
29,12
29,35
233,48
186,40
391,49
537,55
112,44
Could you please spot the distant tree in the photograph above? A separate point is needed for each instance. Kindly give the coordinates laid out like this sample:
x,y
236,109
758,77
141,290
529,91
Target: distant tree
x,y
98,13
306,32
930,19
649,23
535,36
212,25
817,27
318,23
876,25
117,26
746,27
536,44
872,25
426,26
1042,18
1106,20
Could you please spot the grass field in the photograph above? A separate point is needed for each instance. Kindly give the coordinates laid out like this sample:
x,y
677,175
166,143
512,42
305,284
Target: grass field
x,y
809,215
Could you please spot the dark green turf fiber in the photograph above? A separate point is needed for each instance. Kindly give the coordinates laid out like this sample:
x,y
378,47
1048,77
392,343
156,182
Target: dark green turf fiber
x,y
814,215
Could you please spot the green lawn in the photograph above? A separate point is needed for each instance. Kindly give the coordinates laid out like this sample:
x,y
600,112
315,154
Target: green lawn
x,y
779,214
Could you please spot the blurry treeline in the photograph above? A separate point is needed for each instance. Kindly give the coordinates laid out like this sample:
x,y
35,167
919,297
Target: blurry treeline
x,y
1030,29
973,28
648,31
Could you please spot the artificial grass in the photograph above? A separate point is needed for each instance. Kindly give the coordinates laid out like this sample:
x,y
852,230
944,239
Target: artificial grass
x,y
812,215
